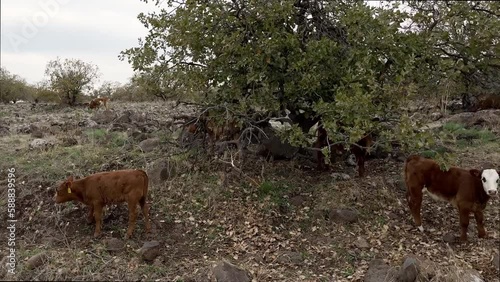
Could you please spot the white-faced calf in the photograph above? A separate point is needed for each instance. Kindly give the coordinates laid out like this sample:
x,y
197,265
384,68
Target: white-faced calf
x,y
106,188
468,190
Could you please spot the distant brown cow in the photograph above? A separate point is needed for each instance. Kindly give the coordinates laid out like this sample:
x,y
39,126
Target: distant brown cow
x,y
97,102
104,188
466,190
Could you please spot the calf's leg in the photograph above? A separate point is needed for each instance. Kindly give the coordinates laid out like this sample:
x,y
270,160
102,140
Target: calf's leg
x,y
90,216
414,197
98,220
479,216
361,164
464,223
132,217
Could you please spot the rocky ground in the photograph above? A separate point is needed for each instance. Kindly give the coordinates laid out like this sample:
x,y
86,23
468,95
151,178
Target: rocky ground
x,y
275,221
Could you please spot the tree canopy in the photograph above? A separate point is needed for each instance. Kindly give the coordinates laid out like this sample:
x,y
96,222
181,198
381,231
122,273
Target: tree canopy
x,y
13,87
70,78
352,65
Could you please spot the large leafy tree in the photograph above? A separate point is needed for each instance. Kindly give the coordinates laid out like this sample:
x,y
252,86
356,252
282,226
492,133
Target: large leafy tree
x,y
70,78
345,62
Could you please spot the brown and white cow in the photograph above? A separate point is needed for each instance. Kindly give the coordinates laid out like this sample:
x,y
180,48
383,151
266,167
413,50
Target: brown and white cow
x,y
104,188
468,190
97,102
360,150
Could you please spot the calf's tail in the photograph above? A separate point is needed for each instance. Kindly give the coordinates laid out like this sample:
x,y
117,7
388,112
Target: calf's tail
x,y
142,201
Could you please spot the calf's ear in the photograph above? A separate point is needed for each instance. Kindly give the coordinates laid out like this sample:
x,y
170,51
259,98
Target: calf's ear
x,y
475,173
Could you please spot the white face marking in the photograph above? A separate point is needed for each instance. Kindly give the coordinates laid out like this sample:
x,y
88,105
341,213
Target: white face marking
x,y
489,179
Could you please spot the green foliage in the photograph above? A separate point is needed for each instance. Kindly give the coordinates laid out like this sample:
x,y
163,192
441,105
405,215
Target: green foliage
x,y
13,88
353,65
70,78
129,92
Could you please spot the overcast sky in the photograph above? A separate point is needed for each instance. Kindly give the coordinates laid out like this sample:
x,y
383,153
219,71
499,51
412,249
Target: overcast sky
x,y
34,32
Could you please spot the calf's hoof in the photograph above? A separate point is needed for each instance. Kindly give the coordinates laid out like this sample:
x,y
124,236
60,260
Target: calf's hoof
x,y
483,235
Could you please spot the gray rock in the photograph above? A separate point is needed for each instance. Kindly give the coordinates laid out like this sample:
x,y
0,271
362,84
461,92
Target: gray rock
x,y
344,215
124,118
69,141
426,268
114,245
468,275
150,250
496,262
41,144
87,123
379,271
362,243
340,176
139,136
37,134
291,258
161,171
4,130
409,271
449,237
36,260
227,272
150,144
138,118
297,201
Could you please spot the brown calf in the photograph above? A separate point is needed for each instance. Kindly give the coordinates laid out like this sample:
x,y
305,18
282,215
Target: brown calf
x,y
359,150
104,188
466,190
97,102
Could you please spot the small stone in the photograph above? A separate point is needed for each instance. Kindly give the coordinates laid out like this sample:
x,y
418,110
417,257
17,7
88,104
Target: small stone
x,y
36,260
291,257
150,250
362,243
340,176
449,238
150,144
114,245
409,271
227,272
344,215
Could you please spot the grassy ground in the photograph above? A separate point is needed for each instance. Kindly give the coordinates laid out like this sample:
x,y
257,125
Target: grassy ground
x,y
277,226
